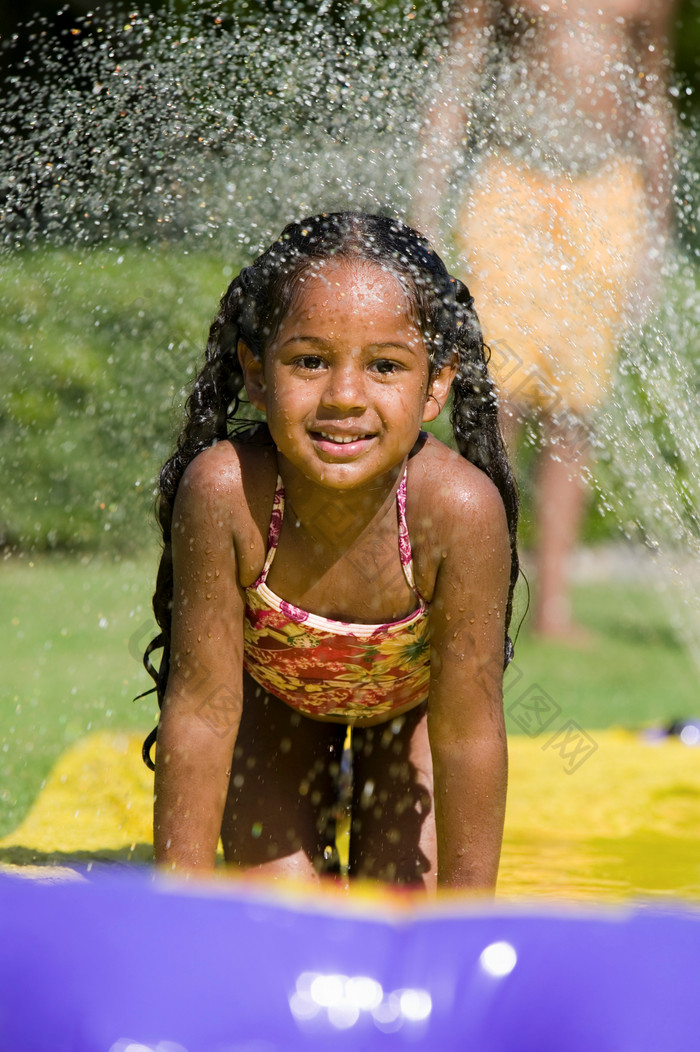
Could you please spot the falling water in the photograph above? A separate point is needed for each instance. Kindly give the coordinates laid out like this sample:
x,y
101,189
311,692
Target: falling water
x,y
209,124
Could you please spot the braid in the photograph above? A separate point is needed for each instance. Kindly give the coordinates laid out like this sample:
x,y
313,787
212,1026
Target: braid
x,y
211,405
477,433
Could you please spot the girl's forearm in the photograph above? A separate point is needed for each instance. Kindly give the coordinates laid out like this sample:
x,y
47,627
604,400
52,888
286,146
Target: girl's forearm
x,y
470,798
191,785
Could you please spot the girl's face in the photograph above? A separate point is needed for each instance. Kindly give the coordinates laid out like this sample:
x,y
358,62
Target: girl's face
x,y
345,382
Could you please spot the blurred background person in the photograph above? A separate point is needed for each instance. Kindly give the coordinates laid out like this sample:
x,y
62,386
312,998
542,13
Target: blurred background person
x,y
556,118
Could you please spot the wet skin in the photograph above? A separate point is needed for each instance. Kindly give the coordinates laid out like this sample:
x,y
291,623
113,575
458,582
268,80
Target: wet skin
x,y
344,384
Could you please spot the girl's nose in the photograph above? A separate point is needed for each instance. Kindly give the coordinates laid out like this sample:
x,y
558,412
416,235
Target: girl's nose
x,y
345,388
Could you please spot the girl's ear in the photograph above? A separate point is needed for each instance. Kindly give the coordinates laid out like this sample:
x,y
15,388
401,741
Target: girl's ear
x,y
439,390
253,376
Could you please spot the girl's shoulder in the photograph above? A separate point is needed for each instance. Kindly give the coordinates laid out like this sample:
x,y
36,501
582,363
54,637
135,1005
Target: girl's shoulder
x,y
231,469
444,484
451,504
232,485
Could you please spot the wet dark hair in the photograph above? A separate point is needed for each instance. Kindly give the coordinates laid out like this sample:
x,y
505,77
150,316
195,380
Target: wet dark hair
x,y
252,309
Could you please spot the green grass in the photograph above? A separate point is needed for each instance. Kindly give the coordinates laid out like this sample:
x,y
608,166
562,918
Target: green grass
x,y
72,633
73,629
633,672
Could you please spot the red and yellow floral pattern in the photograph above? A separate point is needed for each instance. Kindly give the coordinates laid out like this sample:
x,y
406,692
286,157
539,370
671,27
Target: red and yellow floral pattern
x,y
323,667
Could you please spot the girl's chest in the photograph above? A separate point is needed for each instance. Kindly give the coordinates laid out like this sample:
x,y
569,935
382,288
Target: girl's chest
x,y
365,581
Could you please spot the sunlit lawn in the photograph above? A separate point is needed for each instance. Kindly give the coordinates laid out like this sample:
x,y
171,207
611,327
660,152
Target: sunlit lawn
x,y
73,630
71,634
634,671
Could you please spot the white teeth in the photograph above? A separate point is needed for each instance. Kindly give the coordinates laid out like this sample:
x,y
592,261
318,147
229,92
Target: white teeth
x,y
341,439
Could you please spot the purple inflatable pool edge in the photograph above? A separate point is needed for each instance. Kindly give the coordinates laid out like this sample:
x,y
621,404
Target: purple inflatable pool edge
x,y
132,963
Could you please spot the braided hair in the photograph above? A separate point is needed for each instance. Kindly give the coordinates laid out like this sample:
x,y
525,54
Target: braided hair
x,y
252,310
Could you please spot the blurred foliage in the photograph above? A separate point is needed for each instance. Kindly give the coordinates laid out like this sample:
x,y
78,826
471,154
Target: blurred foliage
x,y
687,49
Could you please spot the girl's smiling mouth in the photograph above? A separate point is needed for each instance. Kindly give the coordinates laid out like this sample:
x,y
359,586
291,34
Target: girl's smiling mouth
x,y
337,441
342,438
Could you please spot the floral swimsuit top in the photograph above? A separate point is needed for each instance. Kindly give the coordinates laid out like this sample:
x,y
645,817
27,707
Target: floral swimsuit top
x,y
329,668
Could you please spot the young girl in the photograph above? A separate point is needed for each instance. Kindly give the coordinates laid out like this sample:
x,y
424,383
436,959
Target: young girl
x,y
337,566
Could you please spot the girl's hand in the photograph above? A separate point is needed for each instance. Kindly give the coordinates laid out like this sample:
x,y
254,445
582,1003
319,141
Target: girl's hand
x,y
202,705
465,710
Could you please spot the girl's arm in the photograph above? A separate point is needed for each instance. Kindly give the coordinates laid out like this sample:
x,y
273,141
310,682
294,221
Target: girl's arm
x,y
202,705
465,711
448,117
655,114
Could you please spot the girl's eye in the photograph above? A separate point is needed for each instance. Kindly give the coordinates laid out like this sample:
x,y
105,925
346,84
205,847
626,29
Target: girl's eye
x,y
385,367
309,361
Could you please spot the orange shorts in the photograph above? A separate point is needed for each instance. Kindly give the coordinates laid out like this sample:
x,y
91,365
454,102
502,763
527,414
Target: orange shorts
x,y
551,261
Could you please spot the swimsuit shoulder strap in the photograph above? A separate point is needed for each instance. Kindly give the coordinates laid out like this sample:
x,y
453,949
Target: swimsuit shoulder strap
x,y
405,550
273,533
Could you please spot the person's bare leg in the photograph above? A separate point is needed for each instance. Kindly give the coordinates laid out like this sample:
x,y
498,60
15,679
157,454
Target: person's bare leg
x,y
560,500
393,819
